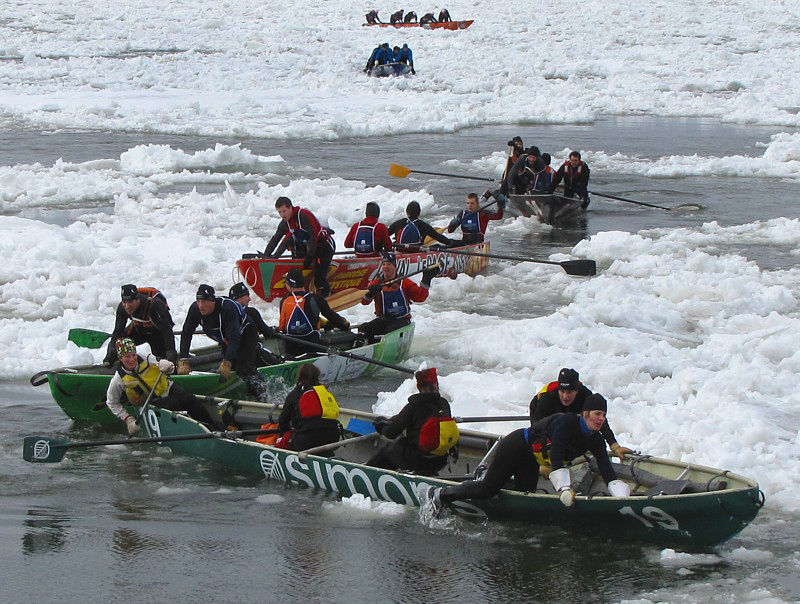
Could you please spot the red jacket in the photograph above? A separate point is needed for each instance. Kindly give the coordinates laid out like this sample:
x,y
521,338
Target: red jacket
x,y
380,237
405,289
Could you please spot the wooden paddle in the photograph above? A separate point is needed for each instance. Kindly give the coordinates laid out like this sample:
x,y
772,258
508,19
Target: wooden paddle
x,y
91,338
493,418
638,203
43,449
402,172
336,445
580,268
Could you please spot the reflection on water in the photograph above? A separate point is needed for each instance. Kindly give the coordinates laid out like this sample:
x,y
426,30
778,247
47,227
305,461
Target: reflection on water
x,y
45,531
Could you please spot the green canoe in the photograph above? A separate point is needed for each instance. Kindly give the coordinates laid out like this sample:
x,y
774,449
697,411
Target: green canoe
x,y
671,502
81,391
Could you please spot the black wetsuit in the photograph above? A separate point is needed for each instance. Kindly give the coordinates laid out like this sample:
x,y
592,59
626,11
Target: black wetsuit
x,y
546,404
404,453
425,230
315,306
306,433
150,323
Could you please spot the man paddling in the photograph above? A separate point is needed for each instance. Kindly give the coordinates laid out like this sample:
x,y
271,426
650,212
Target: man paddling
x,y
227,323
307,239
136,376
575,174
411,231
369,237
241,295
393,300
473,220
567,395
150,322
555,440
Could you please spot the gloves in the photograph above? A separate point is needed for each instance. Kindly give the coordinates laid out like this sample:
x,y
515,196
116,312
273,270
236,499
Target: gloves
x,y
428,275
225,370
567,497
373,290
307,262
133,428
487,194
617,488
183,367
380,423
165,366
619,451
544,471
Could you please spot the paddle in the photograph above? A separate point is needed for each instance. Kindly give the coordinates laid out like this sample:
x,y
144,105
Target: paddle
x,y
580,268
493,418
401,172
43,449
336,445
90,338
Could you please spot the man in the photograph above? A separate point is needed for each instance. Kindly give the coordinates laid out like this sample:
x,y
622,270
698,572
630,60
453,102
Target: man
x,y
575,174
396,17
411,17
151,323
227,323
393,299
369,237
373,58
412,231
137,376
567,395
405,56
427,18
515,148
372,17
474,220
307,239
241,295
534,177
430,431
444,16
558,439
300,312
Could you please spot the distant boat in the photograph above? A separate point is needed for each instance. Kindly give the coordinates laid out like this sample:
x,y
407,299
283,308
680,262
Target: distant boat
x,y
389,69
451,25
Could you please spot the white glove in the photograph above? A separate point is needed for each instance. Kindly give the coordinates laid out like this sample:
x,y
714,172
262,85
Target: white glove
x,y
130,421
560,479
166,366
617,488
567,497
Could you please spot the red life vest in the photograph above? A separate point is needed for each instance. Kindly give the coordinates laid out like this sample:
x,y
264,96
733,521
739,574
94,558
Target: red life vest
x,y
318,402
151,293
300,236
438,434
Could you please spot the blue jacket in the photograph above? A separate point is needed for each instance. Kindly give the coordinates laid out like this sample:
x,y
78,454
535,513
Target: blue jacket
x,y
403,54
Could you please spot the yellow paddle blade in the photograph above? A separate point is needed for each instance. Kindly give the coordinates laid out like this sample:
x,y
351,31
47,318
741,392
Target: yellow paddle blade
x,y
430,240
399,171
345,299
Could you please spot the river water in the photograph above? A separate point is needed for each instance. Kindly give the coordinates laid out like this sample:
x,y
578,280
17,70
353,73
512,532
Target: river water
x,y
125,523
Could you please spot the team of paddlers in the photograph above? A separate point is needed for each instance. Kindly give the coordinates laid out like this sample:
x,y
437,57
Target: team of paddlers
x,y
398,17
566,418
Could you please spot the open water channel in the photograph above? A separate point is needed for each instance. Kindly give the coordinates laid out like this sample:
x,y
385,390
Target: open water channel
x,y
145,525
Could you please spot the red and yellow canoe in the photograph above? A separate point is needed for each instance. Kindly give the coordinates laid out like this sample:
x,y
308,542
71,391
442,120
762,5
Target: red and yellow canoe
x,y
265,276
451,25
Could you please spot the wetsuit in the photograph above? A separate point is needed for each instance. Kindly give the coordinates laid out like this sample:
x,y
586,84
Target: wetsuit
x,y
444,16
150,323
396,17
393,306
427,18
404,453
307,432
299,318
411,17
473,224
369,238
372,17
413,232
548,403
576,181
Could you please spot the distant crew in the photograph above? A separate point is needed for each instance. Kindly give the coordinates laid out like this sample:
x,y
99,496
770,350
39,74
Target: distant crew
x,y
381,55
473,220
369,237
396,17
412,231
404,55
150,322
392,297
372,18
444,16
300,312
307,239
575,174
411,17
427,18
310,413
430,431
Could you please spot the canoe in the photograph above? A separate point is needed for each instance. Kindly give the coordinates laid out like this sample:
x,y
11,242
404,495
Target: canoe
x,y
389,69
549,209
265,276
449,25
671,502
81,391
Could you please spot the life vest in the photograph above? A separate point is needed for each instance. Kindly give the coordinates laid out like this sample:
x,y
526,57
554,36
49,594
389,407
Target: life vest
x,y
145,322
410,234
571,175
301,236
365,239
139,383
548,388
438,434
395,304
318,402
294,318
214,331
541,451
471,223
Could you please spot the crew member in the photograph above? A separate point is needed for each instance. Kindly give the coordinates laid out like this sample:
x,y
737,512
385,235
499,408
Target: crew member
x,y
150,322
373,58
369,237
575,174
240,294
405,56
561,437
227,323
430,431
444,16
310,413
412,231
300,312
307,239
372,17
427,18
393,297
515,148
567,395
136,377
396,17
474,219
411,17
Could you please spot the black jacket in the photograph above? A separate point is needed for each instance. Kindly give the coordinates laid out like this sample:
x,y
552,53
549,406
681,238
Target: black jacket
x,y
546,404
412,417
150,310
224,325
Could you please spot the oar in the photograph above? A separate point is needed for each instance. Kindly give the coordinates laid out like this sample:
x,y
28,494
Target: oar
x,y
638,203
401,172
581,268
43,449
493,418
91,338
336,445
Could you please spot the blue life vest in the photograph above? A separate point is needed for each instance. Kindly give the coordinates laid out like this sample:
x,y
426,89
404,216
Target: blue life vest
x,y
471,223
410,234
395,304
365,239
214,331
299,324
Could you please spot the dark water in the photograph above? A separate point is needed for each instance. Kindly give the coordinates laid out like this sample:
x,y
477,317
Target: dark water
x,y
124,524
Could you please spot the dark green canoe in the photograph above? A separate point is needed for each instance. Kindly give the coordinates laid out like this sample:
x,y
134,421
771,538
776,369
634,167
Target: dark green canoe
x,y
81,391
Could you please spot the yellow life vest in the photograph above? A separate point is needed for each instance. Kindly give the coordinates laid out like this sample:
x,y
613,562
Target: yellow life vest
x,y
318,402
146,375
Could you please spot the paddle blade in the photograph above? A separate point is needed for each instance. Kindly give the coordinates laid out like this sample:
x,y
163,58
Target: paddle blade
x,y
399,171
41,449
345,299
87,338
582,268
360,426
